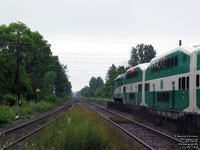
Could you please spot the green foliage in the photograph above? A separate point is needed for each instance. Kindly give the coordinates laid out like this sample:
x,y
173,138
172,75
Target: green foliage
x,y
94,83
7,115
87,131
49,81
38,68
100,99
10,99
112,74
141,54
82,133
52,98
37,107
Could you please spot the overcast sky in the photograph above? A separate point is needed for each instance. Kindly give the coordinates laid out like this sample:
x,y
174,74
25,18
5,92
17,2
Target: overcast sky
x,y
91,35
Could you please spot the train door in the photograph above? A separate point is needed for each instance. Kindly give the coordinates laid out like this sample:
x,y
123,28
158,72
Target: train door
x,y
154,94
173,94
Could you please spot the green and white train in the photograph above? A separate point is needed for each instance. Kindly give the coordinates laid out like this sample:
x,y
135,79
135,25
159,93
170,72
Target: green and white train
x,y
170,81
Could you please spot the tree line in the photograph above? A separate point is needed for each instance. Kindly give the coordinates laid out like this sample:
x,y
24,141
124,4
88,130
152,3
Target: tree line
x,y
38,67
140,54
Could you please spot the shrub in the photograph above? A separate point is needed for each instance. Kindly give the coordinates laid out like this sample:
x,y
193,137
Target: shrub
x,y
51,98
10,99
7,115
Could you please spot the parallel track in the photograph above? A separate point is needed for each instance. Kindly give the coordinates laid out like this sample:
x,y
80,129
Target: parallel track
x,y
147,137
15,135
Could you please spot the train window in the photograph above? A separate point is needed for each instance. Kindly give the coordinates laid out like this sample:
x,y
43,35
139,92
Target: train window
x,y
168,62
179,83
165,64
176,60
184,57
163,97
188,83
183,83
124,89
159,65
147,86
131,96
139,87
132,75
197,80
172,61
167,97
156,67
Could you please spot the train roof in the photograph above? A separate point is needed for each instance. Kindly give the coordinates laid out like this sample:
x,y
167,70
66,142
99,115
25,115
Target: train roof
x,y
141,66
196,47
119,77
186,50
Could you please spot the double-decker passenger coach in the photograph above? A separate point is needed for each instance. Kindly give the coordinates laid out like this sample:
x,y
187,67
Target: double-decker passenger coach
x,y
167,80
133,91
118,92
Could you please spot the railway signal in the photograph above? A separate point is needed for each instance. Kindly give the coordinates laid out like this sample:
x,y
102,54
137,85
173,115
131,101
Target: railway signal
x,y
38,91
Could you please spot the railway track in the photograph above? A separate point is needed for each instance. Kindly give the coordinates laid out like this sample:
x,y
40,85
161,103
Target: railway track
x,y
11,137
147,137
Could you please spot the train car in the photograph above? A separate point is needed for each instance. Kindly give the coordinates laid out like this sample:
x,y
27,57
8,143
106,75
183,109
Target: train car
x,y
196,99
133,88
169,81
118,92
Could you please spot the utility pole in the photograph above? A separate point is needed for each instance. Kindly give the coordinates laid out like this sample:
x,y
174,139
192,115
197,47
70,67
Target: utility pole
x,y
18,69
18,64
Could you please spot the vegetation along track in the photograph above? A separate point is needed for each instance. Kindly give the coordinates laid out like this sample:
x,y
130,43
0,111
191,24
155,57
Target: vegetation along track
x,y
15,135
147,137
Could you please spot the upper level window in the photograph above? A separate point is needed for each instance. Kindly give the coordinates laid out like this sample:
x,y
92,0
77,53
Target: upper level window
x,y
176,60
132,75
165,64
172,61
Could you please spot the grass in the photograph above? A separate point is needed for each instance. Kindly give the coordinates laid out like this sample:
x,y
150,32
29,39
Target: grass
x,y
99,99
8,114
87,131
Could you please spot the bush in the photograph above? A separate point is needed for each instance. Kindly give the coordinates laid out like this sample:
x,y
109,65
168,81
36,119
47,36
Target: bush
x,y
7,115
10,99
51,98
32,107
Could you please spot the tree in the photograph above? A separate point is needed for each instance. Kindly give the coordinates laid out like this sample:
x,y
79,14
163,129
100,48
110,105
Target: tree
x,y
141,54
95,83
38,68
111,75
49,82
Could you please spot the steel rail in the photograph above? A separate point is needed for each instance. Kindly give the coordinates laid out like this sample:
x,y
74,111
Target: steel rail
x,y
31,133
142,125
124,130
35,131
3,133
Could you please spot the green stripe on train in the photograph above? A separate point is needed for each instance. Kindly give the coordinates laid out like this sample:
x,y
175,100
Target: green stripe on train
x,y
181,100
